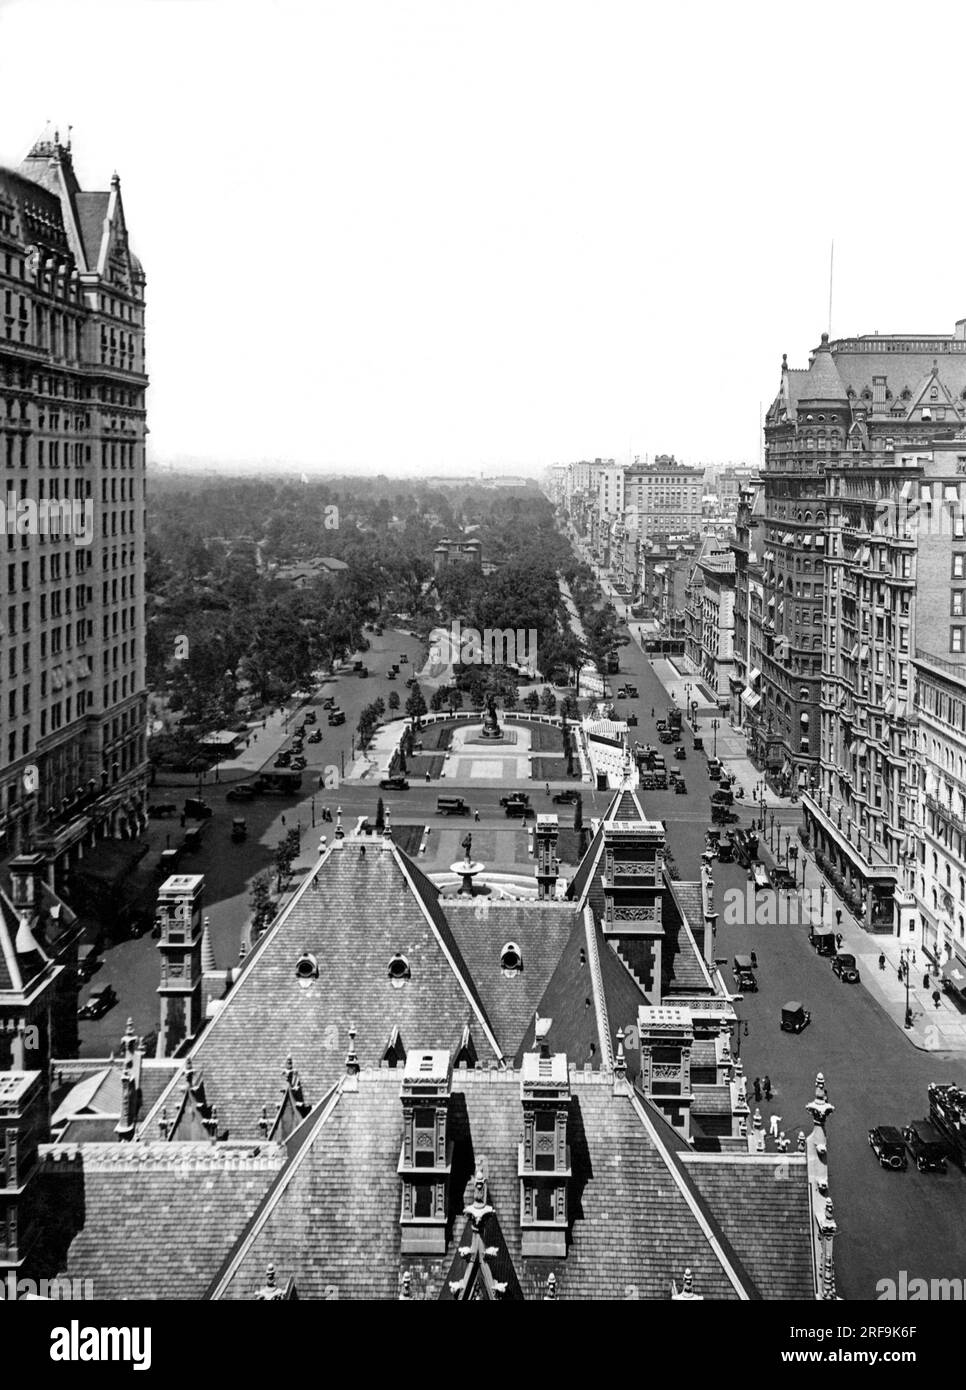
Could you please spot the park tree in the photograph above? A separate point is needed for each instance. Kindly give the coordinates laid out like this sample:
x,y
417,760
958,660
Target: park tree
x,y
549,701
261,904
415,705
380,817
394,701
532,701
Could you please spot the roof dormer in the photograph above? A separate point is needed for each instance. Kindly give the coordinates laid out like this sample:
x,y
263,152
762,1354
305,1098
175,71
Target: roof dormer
x,y
544,1155
426,1159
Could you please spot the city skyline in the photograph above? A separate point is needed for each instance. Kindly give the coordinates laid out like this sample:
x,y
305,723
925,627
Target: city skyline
x,y
465,239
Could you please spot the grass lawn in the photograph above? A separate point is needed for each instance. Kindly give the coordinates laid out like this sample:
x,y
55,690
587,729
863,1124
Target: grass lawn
x,y
435,737
421,763
553,770
408,838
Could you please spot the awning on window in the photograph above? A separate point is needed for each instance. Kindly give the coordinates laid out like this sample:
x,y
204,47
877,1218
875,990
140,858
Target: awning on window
x,y
954,976
750,698
789,538
864,654
890,705
769,555
854,652
753,675
804,717
906,489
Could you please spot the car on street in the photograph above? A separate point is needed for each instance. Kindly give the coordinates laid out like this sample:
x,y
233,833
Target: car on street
x,y
783,880
451,806
315,736
243,792
98,1002
743,970
680,754
310,717
394,784
698,743
515,796
721,815
622,693
87,962
358,666
722,798
518,809
165,808
927,1146
566,798
632,692
196,809
844,966
299,764
889,1147
403,658
794,1017
336,717
239,830
680,787
284,758
328,702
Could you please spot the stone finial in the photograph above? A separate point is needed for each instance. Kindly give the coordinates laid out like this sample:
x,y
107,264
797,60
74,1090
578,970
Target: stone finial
x,y
801,1141
757,1121
620,1061
270,1291
352,1066
406,1291
263,1125
551,1295
821,1090
164,1124
686,1292
129,1039
242,951
742,1128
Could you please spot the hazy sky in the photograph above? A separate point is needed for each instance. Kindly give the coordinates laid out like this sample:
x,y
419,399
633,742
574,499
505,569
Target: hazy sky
x,y
463,235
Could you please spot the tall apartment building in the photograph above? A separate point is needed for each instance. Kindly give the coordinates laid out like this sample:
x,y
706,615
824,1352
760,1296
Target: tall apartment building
x,y
749,553
665,497
72,429
857,396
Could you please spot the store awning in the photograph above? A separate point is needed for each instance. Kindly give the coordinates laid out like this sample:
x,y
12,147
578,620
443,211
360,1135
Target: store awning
x,y
906,489
854,652
750,698
954,976
804,717
753,675
789,538
864,654
769,555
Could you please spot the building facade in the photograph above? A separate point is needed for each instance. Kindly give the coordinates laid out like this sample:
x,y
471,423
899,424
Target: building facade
x,y
748,549
72,430
665,496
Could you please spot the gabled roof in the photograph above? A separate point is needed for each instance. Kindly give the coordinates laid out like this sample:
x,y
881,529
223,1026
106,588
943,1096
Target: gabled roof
x,y
19,968
91,214
540,930
364,903
638,1219
822,382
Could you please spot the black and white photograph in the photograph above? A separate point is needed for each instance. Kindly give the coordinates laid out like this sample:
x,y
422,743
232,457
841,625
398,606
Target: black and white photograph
x,y
482,664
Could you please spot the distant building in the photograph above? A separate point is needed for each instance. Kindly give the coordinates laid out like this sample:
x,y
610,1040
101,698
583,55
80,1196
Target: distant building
x,y
459,552
666,497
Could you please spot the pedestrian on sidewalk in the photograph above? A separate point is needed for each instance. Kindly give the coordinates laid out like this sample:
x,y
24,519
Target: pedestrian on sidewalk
x,y
881,960
838,918
936,998
838,941
926,982
548,788
773,1124
427,776
756,1086
766,1086
283,819
652,711
476,815
899,973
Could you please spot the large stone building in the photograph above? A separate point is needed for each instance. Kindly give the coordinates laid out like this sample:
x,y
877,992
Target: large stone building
x,y
407,1095
72,433
858,396
665,497
709,621
749,551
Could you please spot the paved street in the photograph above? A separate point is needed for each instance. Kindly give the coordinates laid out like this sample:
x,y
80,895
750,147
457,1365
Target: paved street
x,y
874,1073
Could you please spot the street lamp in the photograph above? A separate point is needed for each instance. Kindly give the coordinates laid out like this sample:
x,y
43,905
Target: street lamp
x,y
715,726
771,831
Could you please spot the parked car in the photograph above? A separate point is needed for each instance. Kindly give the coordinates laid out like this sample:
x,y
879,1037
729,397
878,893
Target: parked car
x,y
680,787
698,743
87,962
98,1002
196,809
239,829
794,1017
680,754
783,880
243,792
927,1146
299,764
328,702
165,808
358,666
310,716
315,736
722,798
720,815
632,692
394,784
743,970
519,809
844,966
888,1146
285,757
622,693
566,798
726,850
403,658
515,796
336,717
451,806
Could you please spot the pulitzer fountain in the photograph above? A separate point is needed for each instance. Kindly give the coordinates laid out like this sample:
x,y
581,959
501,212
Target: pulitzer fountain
x,y
468,869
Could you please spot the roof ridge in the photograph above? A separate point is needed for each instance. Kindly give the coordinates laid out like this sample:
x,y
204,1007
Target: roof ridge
x,y
718,1242
270,1200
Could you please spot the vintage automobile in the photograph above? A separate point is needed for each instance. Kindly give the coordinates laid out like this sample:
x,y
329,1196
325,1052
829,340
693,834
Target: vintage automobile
x,y
243,792
726,850
888,1146
844,966
794,1017
698,743
310,716
196,809
680,754
743,970
927,1146
329,702
680,787
722,798
720,815
166,808
315,736
823,939
299,764
98,1002
783,879
451,806
394,784
336,716
285,757
239,829
622,692
515,796
565,798
761,878
520,809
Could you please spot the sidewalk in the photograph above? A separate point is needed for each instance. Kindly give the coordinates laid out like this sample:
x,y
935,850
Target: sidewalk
x,y
933,1030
